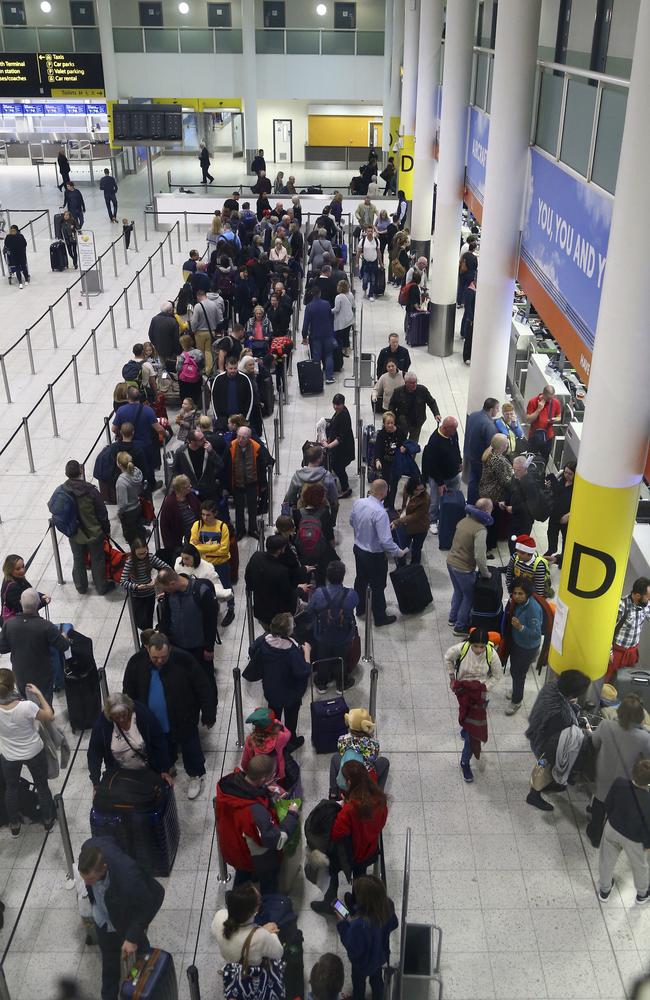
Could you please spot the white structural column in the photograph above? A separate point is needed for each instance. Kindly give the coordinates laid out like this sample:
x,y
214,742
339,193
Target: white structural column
x,y
611,464
515,57
451,174
388,54
409,96
396,72
424,174
248,79
109,63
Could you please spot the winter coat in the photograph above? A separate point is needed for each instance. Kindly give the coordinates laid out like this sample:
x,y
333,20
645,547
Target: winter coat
x,y
285,672
188,691
156,747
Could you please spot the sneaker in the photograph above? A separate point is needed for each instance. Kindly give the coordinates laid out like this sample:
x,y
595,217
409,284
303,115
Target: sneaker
x,y
323,907
347,684
604,894
15,830
21,285
433,528
462,630
345,494
513,707
194,788
228,618
371,298
330,381
451,623
642,898
388,620
467,772
535,799
321,690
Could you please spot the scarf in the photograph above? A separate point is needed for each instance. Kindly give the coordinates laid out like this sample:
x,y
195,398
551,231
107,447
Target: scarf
x,y
245,470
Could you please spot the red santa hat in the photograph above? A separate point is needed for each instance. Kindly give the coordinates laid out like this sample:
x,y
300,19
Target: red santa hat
x,y
525,544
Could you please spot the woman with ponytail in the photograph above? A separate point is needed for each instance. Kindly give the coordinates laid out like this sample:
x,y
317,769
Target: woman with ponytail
x,y
231,927
128,489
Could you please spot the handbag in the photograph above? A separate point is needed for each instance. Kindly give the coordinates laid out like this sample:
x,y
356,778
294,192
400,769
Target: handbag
x,y
147,508
541,775
254,669
130,790
397,269
242,981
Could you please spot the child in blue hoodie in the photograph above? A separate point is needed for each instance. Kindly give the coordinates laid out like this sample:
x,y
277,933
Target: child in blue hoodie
x,y
365,934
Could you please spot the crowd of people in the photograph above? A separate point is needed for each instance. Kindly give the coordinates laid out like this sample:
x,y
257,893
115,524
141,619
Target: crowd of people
x,y
214,354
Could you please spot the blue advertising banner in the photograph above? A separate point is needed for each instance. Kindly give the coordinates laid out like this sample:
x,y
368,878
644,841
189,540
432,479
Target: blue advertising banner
x,y
55,109
564,241
477,147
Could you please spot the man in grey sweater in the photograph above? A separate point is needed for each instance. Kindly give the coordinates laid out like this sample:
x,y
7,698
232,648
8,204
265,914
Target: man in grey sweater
x,y
206,321
467,554
314,472
29,638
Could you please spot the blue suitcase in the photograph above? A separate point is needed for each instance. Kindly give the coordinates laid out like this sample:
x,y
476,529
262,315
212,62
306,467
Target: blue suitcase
x,y
327,718
150,838
153,978
452,510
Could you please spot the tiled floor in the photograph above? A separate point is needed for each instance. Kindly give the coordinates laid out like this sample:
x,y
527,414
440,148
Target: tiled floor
x,y
512,888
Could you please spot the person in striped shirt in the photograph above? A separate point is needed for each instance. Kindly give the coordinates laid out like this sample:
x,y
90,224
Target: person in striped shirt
x,y
137,580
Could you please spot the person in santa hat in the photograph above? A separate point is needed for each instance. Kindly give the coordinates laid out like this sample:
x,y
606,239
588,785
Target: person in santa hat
x,y
526,563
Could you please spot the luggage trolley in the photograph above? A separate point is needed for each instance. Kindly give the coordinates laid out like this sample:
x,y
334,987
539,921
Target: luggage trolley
x,y
421,944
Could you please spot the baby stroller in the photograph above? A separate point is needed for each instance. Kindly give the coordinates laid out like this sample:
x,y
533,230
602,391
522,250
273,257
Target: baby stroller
x,y
11,270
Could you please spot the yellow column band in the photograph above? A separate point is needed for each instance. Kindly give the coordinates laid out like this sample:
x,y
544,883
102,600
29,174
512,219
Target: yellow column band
x,y
593,573
406,164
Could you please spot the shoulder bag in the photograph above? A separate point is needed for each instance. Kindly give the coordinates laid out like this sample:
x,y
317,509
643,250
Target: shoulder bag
x,y
242,981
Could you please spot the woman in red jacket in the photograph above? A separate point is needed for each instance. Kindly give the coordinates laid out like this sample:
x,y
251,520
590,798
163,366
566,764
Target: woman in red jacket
x,y
359,822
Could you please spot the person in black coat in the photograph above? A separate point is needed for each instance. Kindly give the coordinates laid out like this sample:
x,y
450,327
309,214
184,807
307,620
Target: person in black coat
x,y
263,184
118,888
16,247
108,186
269,581
64,169
221,394
74,202
164,332
280,663
116,716
259,163
394,352
340,443
197,460
204,160
562,487
467,322
187,694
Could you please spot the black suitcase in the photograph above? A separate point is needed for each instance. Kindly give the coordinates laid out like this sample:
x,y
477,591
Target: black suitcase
x,y
450,512
58,226
310,377
411,588
488,594
327,718
633,680
81,680
58,256
417,328
150,838
337,355
267,397
380,282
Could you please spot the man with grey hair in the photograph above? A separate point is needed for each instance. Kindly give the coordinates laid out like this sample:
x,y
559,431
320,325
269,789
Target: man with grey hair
x,y
441,465
29,640
468,553
247,479
163,333
127,735
409,404
521,501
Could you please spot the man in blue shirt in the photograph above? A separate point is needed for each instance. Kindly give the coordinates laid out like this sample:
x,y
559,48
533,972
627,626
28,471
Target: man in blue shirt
x,y
318,328
479,431
373,542
144,421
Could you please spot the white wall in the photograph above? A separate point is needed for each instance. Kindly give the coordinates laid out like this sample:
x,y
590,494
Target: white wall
x,y
320,78
296,111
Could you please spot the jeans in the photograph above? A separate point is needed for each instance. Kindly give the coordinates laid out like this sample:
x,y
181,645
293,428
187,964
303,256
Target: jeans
x,y
520,662
78,218
37,767
111,206
463,595
71,246
475,473
190,747
359,985
290,716
466,755
412,542
97,565
434,503
110,945
369,270
372,569
321,351
223,572
554,530
245,499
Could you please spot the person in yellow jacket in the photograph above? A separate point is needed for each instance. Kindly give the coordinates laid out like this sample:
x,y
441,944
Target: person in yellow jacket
x,y
211,536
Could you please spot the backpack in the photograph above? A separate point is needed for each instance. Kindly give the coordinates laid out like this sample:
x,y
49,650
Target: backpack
x,y
190,371
464,650
132,373
528,570
310,540
65,513
404,291
331,624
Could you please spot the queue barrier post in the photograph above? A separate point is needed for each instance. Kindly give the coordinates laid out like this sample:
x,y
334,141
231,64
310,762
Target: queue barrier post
x,y
70,310
53,326
169,247
135,238
362,481
134,627
372,700
93,337
276,446
270,511
239,710
5,380
49,223
367,628
150,266
139,289
55,552
187,235
113,332
31,233
359,443
75,372
146,233
261,530
126,253
281,412
114,255
55,426
30,353
178,234
162,258
28,445
103,684
127,311
65,837
107,429
250,618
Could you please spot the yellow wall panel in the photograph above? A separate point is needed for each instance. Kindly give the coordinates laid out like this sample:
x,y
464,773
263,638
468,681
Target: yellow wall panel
x,y
338,130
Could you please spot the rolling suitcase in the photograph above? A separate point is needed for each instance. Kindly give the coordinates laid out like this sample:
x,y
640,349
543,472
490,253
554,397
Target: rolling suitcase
x,y
411,588
487,604
58,256
310,377
267,397
417,329
81,682
337,355
368,450
633,680
451,511
327,717
153,977
380,281
150,837
58,226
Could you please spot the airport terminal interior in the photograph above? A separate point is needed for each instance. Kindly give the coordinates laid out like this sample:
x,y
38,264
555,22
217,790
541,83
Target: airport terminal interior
x,y
496,899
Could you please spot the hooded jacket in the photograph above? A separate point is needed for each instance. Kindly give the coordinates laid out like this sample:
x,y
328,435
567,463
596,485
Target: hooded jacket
x,y
93,516
469,547
128,488
250,837
550,714
309,475
285,672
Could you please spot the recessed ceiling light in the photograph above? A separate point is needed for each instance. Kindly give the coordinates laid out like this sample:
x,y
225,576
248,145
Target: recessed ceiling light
x,y
184,8
321,9
46,6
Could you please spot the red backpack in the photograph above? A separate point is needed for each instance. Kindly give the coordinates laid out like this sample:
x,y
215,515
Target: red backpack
x,y
403,296
310,540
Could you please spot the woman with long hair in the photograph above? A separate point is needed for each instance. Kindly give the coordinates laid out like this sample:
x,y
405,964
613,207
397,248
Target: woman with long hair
x,y
412,525
233,925
495,481
343,313
359,822
137,580
366,934
14,582
128,490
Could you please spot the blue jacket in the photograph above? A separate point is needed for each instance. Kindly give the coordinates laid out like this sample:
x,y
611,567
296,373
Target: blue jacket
x,y
479,431
318,323
155,743
367,946
531,617
133,897
285,672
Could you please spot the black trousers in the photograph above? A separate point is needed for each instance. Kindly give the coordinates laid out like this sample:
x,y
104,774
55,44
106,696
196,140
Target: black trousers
x,y
372,569
110,945
207,176
246,502
554,530
338,467
290,715
111,206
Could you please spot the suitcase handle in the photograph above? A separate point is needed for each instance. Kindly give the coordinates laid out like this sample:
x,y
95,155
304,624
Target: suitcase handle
x,y
329,659
640,677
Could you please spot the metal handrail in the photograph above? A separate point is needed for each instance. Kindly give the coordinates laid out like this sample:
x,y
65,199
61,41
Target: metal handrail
x,y
586,74
180,29
30,222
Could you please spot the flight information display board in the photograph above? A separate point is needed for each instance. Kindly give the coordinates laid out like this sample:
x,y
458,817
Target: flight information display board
x,y
147,123
51,74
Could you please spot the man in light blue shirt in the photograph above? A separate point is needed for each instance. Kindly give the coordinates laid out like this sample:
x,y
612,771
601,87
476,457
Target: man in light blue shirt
x,y
373,542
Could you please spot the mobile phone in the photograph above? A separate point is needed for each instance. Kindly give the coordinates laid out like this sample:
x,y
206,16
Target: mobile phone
x,y
341,909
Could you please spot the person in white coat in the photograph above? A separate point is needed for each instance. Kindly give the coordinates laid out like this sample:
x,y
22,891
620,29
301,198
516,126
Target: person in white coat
x,y
343,313
234,928
189,563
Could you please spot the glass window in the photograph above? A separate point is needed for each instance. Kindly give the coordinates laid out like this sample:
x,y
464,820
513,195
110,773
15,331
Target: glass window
x,y
127,40
228,41
548,116
55,40
82,12
269,42
581,33
481,79
196,40
338,43
20,39
576,138
370,43
608,138
87,40
219,15
161,39
302,43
